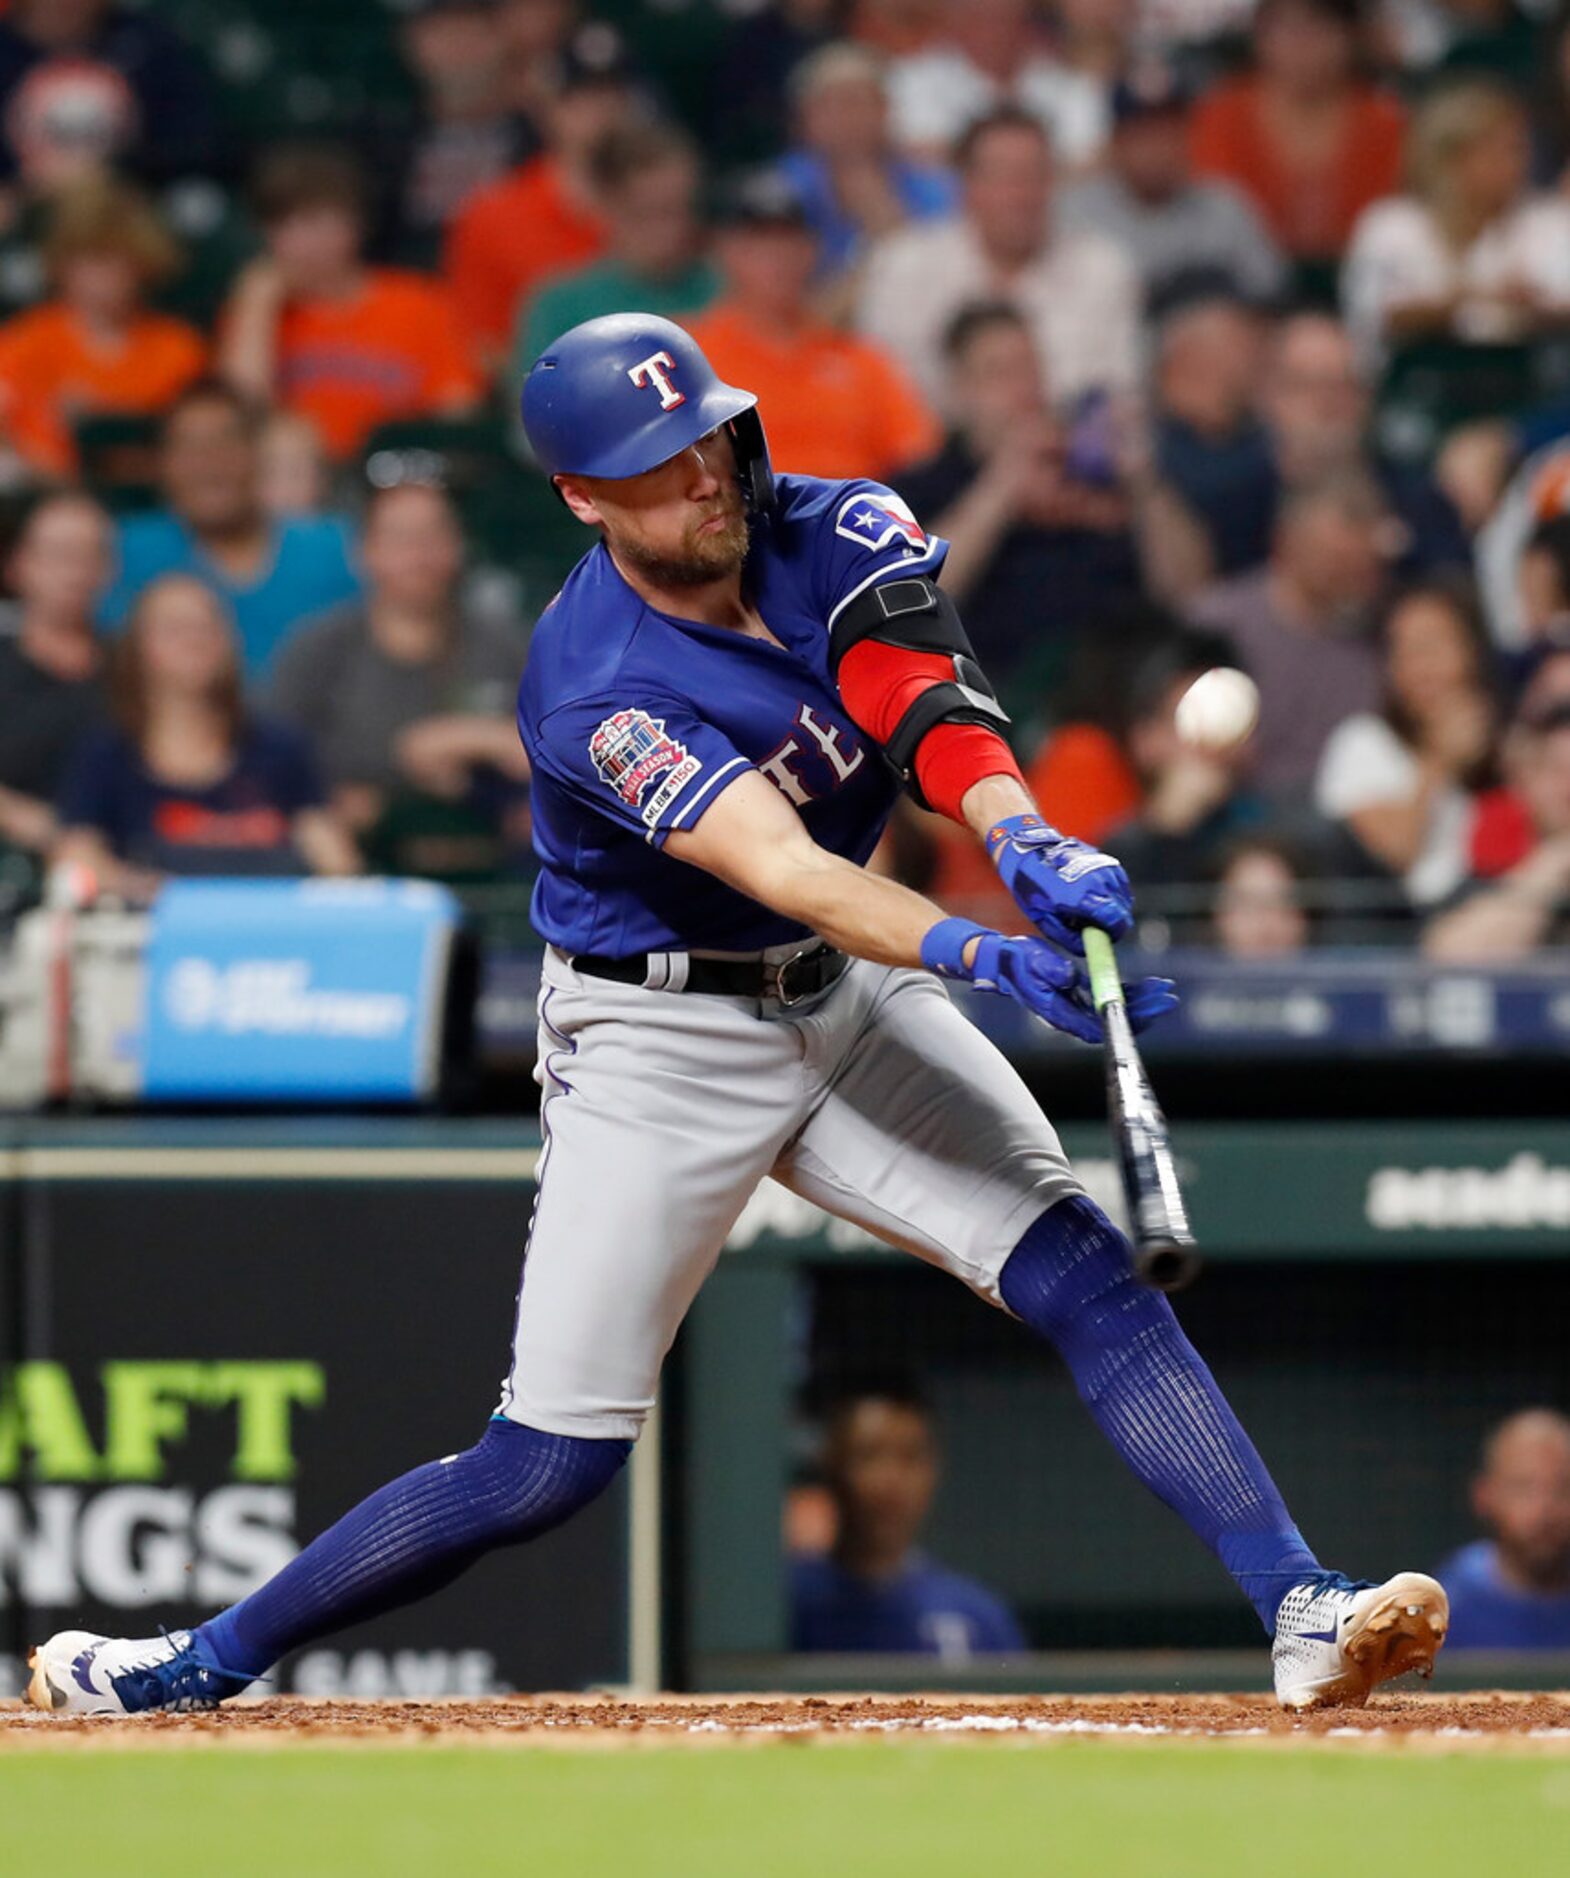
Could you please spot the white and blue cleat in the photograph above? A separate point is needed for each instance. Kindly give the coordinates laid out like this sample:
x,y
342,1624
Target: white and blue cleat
x,y
78,1673
1336,1641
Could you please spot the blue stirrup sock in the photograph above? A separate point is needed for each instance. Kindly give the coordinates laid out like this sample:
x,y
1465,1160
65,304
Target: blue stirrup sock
x,y
1071,1278
414,1536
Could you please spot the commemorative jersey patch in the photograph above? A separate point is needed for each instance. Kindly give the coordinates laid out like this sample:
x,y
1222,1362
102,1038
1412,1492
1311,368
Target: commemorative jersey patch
x,y
876,518
631,750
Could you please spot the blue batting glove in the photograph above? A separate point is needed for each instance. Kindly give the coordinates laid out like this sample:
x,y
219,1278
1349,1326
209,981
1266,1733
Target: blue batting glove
x,y
1031,973
1061,885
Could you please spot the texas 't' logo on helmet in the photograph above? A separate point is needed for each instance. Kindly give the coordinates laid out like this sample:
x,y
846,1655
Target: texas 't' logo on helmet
x,y
875,518
656,370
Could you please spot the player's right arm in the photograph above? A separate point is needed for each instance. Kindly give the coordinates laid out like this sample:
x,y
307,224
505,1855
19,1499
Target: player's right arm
x,y
751,838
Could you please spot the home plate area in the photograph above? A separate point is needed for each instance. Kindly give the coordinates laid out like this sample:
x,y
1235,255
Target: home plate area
x,y
1437,1722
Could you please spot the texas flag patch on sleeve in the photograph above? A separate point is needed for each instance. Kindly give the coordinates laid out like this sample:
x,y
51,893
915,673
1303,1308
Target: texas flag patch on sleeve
x,y
878,518
631,750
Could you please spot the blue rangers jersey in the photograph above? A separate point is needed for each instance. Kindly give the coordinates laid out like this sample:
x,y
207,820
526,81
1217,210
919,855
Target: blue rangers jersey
x,y
636,721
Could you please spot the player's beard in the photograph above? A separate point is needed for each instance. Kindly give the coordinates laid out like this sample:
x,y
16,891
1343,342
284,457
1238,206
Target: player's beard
x,y
706,555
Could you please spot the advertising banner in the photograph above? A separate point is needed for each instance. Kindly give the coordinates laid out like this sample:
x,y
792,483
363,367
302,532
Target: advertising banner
x,y
296,990
222,1368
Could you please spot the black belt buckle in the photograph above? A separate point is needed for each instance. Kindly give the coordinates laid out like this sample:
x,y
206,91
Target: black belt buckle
x,y
817,957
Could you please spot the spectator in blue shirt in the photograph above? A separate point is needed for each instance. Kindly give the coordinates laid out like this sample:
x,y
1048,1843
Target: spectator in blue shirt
x,y
874,1591
845,170
1511,1591
272,571
186,780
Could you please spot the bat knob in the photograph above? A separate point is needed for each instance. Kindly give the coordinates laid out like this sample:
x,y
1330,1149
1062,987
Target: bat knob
x,y
1165,1265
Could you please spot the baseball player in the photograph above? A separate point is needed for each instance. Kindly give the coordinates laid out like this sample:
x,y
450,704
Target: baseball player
x,y
721,707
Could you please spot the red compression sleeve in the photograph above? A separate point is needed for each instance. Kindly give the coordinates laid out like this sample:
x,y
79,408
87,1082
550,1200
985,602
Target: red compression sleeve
x,y
879,683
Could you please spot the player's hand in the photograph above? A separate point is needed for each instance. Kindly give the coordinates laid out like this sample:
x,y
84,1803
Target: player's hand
x,y
1030,972
1061,885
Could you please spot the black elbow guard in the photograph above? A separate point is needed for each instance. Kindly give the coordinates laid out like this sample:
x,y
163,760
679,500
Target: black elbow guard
x,y
917,616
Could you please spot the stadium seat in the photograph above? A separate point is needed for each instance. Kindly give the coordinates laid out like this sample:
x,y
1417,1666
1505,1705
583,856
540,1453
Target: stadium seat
x,y
1432,387
291,68
119,459
217,239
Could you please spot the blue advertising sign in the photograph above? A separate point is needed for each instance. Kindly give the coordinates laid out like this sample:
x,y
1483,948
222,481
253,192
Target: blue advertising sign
x,y
296,990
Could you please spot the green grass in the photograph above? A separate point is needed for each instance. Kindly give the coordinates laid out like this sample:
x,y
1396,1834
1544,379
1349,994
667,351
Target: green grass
x,y
846,1810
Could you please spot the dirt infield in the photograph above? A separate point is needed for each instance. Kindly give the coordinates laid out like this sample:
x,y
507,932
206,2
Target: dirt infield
x,y
1495,1719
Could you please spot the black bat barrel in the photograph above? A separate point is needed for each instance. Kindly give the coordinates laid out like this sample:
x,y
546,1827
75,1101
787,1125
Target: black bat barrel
x,y
1165,1257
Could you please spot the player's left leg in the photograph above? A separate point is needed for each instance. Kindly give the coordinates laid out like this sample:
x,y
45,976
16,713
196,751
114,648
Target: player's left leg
x,y
410,1538
928,1138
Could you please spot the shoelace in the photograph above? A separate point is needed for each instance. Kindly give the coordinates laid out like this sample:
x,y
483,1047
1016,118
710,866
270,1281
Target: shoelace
x,y
1321,1582
182,1683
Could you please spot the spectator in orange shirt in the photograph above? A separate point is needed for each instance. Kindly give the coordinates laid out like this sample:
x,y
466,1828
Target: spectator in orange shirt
x,y
543,217
1308,139
94,348
838,405
311,327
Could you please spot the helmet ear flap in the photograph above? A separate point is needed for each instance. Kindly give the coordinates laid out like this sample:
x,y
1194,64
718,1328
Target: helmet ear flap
x,y
752,461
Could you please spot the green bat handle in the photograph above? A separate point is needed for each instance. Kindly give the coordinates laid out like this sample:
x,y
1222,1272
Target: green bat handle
x,y
1106,984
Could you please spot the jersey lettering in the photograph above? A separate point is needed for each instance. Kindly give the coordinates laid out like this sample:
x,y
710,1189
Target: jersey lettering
x,y
827,738
779,772
656,370
777,766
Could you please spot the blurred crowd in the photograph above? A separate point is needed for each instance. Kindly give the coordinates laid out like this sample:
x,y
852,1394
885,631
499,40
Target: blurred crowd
x,y
1209,332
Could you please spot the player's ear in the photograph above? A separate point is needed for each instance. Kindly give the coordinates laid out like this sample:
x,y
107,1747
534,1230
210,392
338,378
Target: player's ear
x,y
575,493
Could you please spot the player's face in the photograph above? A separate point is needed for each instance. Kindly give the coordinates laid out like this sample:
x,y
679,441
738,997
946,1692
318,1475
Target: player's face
x,y
681,524
885,1472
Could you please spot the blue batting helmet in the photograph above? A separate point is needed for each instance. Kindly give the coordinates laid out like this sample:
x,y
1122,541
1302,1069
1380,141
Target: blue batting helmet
x,y
619,395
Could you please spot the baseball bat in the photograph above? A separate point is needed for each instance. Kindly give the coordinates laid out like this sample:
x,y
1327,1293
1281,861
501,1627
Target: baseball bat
x,y
1165,1257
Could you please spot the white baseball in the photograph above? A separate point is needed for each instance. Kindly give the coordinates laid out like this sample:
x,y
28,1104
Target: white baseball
x,y
1219,709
